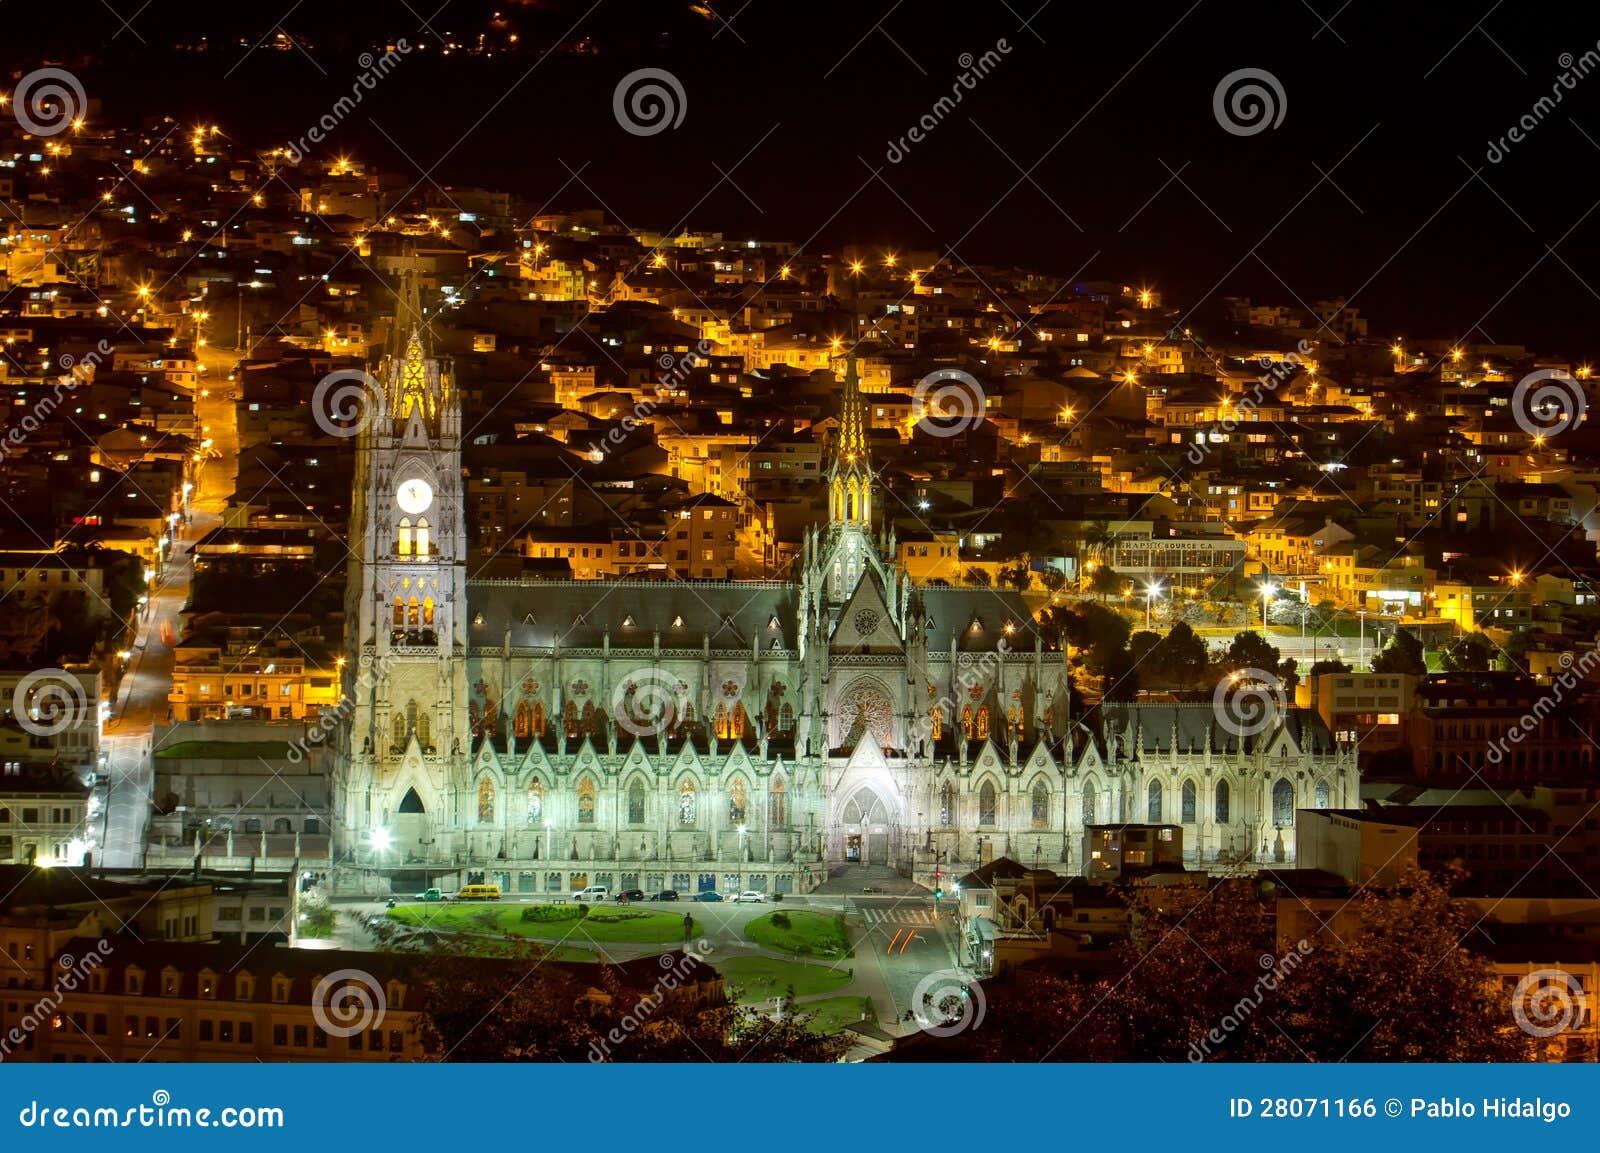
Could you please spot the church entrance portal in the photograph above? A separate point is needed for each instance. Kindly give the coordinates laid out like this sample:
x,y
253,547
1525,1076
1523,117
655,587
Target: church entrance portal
x,y
411,837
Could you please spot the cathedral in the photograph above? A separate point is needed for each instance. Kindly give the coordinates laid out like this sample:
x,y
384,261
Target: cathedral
x,y
548,735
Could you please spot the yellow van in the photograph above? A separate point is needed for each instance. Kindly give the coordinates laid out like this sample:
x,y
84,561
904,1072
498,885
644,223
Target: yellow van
x,y
479,893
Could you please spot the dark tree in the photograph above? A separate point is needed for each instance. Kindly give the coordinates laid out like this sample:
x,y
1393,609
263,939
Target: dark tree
x,y
1403,654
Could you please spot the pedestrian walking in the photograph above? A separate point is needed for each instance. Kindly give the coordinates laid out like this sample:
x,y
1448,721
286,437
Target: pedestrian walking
x,y
688,926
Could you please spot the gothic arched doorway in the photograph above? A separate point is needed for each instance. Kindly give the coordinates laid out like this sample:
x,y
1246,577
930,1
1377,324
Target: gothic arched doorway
x,y
867,826
411,837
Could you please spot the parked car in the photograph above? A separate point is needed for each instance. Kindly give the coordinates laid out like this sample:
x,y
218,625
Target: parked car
x,y
667,895
708,895
750,896
430,895
593,893
630,895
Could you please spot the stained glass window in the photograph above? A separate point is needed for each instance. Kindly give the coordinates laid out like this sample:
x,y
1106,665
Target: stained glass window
x,y
687,806
535,802
486,801
636,803
736,801
1221,807
1041,803
780,802
586,801
867,709
947,804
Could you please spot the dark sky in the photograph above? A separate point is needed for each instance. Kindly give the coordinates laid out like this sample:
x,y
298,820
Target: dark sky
x,y
1109,111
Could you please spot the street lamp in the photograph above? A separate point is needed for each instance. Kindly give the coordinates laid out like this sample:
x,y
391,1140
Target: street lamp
x,y
744,853
1151,591
545,848
1268,591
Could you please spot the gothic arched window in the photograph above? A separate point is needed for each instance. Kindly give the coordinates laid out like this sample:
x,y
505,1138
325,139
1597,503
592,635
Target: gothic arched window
x,y
1283,803
1088,803
424,730
486,801
1187,803
398,728
535,801
983,721
399,613
1153,803
570,717
736,801
404,546
422,536
1322,795
947,804
636,803
688,808
1041,803
522,720
1219,809
966,721
427,613
586,801
986,804
779,805
786,719
936,723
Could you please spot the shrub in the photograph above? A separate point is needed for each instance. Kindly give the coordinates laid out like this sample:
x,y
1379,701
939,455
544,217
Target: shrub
x,y
780,920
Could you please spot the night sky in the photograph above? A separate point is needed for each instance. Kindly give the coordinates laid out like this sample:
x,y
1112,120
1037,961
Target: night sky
x,y
1130,176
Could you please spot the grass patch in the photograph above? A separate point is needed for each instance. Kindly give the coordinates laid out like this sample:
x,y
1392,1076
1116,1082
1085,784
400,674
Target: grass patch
x,y
835,1013
224,750
572,923
802,932
762,978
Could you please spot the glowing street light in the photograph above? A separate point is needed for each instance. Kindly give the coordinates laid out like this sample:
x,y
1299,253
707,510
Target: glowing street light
x,y
1151,592
1268,591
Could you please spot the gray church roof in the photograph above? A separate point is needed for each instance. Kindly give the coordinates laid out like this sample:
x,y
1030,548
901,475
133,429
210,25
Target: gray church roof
x,y
580,613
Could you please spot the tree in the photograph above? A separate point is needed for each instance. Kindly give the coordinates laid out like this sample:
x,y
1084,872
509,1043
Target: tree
x,y
1105,581
1402,654
1327,666
1145,650
1250,650
1184,656
977,577
1053,579
1472,653
1017,575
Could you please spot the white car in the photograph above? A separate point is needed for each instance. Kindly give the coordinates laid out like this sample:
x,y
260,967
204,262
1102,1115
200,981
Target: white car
x,y
593,893
754,896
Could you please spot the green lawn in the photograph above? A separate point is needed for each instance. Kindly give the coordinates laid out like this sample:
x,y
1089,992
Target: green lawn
x,y
549,923
225,750
807,934
835,1013
751,979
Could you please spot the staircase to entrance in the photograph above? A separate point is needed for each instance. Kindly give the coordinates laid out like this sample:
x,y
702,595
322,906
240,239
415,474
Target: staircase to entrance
x,y
849,880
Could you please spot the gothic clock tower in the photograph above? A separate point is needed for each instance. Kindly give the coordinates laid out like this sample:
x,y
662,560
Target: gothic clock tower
x,y
402,783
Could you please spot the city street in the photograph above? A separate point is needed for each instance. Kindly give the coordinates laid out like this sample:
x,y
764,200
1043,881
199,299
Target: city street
x,y
141,701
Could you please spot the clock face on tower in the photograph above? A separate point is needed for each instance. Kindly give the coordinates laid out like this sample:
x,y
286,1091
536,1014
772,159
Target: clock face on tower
x,y
414,496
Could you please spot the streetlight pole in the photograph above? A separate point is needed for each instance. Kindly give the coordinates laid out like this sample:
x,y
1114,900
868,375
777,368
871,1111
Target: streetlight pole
x,y
1362,663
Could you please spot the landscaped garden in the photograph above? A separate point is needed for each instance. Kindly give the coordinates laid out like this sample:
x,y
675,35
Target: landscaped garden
x,y
753,979
802,932
579,924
